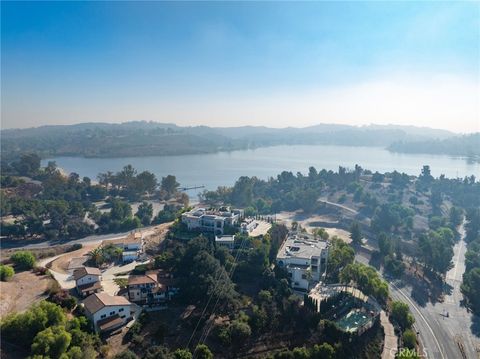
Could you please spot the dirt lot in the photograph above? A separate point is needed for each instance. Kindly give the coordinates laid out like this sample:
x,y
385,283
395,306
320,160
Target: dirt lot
x,y
307,221
60,264
153,240
24,289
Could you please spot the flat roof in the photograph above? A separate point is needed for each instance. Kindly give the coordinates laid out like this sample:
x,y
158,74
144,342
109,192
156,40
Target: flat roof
x,y
225,238
301,246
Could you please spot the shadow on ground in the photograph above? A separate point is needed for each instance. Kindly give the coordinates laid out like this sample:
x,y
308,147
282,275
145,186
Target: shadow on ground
x,y
475,327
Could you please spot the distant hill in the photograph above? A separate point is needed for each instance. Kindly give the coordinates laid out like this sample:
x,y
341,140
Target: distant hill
x,y
465,146
151,138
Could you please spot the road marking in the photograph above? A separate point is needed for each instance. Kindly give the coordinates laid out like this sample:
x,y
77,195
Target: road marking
x,y
421,315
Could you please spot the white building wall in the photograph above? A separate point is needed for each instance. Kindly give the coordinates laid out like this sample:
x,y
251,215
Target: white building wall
x,y
129,257
89,278
297,280
109,311
133,246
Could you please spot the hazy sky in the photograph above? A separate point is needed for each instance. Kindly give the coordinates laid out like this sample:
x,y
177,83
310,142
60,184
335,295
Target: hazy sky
x,y
228,64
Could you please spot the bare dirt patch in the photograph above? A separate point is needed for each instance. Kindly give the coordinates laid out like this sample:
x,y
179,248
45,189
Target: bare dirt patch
x,y
340,233
153,240
307,221
24,289
60,264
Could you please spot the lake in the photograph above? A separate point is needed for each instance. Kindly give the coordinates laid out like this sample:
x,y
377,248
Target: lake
x,y
223,168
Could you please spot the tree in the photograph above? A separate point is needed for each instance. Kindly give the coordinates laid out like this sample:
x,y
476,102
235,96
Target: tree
x,y
6,272
182,354
96,255
127,354
22,328
239,331
340,254
145,213
455,217
242,192
203,352
120,210
436,250
401,314
51,342
323,351
385,244
169,185
355,233
204,276
426,175
366,279
409,339
28,164
471,288
147,182
23,259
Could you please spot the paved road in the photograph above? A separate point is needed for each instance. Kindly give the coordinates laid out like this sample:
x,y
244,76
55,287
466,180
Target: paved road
x,y
338,205
96,238
442,337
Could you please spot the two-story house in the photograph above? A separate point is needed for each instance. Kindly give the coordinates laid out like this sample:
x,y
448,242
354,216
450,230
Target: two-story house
x,y
150,289
87,280
107,312
131,245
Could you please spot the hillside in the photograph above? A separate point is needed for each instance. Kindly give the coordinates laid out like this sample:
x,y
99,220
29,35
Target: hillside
x,y
163,139
465,146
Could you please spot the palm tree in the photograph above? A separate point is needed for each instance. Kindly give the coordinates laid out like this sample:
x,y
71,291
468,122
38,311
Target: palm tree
x,y
97,256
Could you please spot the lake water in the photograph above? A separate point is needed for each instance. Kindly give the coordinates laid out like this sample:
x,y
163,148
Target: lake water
x,y
222,169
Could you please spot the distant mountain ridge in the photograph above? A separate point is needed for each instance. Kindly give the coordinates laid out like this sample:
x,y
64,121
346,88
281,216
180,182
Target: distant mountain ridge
x,y
141,138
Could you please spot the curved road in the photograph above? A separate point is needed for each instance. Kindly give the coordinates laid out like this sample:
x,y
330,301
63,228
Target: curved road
x,y
442,337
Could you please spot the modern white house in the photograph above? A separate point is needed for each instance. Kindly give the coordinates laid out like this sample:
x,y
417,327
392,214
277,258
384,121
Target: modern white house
x,y
107,312
212,220
225,241
150,289
87,280
304,257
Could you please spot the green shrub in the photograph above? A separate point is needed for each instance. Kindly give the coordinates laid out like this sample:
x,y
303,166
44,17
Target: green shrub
x,y
401,314
6,273
23,259
409,339
74,247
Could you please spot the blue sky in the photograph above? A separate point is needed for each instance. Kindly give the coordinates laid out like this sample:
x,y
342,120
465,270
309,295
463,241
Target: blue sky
x,y
225,64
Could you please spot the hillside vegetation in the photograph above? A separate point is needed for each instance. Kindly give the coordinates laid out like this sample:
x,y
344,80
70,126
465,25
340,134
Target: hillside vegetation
x,y
464,146
157,139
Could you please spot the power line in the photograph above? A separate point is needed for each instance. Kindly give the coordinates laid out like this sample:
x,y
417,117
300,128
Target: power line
x,y
207,329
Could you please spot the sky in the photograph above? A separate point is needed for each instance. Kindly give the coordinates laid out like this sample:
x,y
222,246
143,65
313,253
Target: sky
x,y
274,64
